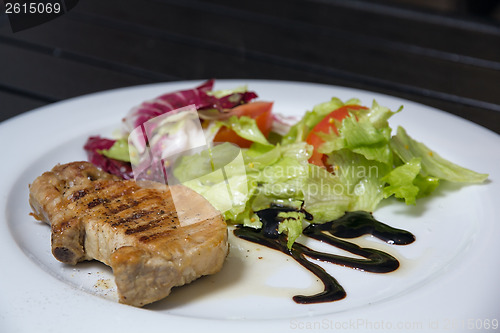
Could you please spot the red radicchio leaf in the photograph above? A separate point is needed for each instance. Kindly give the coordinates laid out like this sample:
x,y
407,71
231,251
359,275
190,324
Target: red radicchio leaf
x,y
115,167
174,100
163,104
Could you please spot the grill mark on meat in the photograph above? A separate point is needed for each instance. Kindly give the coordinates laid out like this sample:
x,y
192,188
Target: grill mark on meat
x,y
114,207
77,195
97,202
117,201
121,207
112,188
135,217
152,237
146,227
143,207
132,228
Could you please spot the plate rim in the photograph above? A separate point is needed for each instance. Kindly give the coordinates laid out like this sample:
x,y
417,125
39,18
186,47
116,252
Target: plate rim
x,y
27,116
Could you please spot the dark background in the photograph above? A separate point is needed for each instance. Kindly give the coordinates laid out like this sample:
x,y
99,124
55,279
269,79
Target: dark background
x,y
442,53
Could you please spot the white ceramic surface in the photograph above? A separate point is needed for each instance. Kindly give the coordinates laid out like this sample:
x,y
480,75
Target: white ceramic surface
x,y
448,279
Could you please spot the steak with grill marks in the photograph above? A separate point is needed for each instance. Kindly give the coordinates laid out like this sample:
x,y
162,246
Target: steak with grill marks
x,y
151,245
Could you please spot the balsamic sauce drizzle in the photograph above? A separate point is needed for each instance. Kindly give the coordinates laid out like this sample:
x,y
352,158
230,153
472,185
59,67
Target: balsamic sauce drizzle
x,y
351,225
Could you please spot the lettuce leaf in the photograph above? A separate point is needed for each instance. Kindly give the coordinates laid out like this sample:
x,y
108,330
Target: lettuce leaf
x,y
365,132
118,151
362,138
432,163
401,181
326,197
426,185
280,175
245,127
291,223
94,145
361,178
301,129
218,173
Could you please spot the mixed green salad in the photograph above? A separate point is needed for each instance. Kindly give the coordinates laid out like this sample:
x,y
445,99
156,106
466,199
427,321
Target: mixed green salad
x,y
340,156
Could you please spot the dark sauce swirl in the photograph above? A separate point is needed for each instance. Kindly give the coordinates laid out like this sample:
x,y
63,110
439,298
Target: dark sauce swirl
x,y
351,225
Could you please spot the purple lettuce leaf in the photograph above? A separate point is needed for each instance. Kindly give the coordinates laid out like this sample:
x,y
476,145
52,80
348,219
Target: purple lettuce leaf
x,y
174,100
115,167
208,106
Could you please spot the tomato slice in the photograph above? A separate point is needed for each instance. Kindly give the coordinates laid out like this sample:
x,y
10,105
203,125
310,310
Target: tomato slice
x,y
260,111
325,126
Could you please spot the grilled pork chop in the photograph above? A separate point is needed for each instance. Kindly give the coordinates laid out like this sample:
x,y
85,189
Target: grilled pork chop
x,y
150,245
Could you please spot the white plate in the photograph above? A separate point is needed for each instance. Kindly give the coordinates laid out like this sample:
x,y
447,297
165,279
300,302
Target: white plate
x,y
448,278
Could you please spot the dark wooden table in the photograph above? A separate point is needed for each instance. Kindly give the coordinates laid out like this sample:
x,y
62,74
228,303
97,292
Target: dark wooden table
x,y
445,54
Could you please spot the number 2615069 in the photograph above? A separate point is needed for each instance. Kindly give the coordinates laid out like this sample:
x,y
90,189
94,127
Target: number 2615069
x,y
32,8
